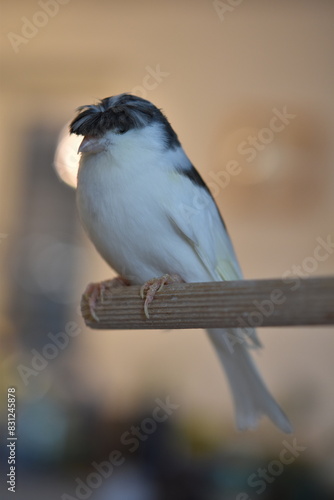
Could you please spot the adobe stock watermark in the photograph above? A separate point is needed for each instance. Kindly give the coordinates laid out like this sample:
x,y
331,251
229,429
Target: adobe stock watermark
x,y
30,27
224,8
3,236
130,440
265,308
250,147
310,264
153,78
263,476
41,359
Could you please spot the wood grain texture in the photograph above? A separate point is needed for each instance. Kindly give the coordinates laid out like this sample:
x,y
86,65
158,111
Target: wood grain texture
x,y
245,303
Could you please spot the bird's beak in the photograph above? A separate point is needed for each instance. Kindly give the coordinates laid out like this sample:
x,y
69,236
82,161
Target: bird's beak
x,y
92,144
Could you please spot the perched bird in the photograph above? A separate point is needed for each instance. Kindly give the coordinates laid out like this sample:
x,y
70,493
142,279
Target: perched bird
x,y
152,218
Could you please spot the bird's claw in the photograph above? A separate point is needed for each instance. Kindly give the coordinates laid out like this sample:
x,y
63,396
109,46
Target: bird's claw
x,y
95,292
151,287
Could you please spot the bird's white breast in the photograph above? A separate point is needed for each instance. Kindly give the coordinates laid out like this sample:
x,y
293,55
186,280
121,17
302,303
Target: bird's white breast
x,y
122,209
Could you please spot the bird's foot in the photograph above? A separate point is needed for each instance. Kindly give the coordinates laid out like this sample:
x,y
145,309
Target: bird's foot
x,y
95,292
151,287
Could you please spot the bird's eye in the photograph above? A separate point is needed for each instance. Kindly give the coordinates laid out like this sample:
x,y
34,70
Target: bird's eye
x,y
121,131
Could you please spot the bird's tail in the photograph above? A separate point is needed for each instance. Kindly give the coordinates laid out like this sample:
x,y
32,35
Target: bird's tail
x,y
251,396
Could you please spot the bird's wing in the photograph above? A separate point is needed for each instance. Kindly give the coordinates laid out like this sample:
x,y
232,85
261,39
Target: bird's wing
x,y
199,222
197,219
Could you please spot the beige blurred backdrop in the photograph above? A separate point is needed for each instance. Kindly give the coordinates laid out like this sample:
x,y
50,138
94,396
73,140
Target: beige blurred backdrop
x,y
220,77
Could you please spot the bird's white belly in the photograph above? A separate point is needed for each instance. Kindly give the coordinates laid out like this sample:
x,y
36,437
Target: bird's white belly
x,y
126,220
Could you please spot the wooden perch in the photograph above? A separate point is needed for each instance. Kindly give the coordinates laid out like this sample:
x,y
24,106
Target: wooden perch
x,y
299,302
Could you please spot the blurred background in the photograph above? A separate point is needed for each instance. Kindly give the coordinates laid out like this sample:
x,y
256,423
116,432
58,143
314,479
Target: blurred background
x,y
248,87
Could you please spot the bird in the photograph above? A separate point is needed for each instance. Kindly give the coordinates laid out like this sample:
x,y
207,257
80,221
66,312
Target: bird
x,y
152,218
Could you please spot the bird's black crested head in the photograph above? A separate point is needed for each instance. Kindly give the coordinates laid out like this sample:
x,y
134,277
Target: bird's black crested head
x,y
120,114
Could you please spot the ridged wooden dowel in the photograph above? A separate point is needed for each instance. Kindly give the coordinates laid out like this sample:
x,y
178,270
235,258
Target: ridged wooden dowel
x,y
218,304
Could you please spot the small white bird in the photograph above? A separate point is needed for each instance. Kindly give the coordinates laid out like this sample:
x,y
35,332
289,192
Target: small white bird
x,y
150,214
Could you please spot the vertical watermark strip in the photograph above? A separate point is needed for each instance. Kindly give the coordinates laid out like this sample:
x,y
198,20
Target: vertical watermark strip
x,y
11,439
